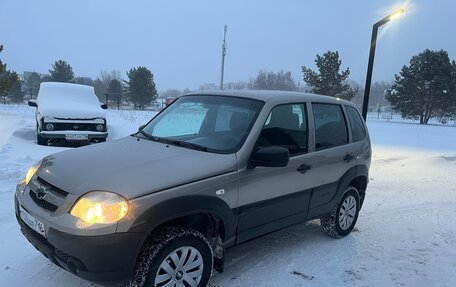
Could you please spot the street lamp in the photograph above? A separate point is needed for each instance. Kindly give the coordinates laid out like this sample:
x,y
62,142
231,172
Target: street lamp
x,y
370,65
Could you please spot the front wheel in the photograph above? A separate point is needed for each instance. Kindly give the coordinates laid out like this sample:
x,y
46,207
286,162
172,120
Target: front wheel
x,y
174,256
343,218
39,139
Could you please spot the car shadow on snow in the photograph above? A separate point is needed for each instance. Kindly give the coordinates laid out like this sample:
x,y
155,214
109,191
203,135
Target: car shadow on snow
x,y
25,134
290,256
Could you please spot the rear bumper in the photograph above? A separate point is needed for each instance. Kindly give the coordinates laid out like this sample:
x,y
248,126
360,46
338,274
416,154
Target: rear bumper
x,y
106,258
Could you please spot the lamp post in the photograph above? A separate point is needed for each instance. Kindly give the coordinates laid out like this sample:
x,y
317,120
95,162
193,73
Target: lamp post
x,y
370,65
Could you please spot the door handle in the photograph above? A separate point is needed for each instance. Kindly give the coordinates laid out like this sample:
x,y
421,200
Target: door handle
x,y
348,158
303,168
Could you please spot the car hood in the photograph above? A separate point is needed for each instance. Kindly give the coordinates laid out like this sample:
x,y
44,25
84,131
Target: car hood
x,y
131,167
74,110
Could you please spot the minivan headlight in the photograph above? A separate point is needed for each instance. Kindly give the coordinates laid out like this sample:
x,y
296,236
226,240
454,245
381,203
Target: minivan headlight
x,y
100,207
31,172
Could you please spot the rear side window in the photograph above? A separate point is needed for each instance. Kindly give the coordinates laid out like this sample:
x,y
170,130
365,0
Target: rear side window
x,y
356,124
330,126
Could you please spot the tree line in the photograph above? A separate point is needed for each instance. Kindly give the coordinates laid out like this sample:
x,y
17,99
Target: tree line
x,y
424,89
139,88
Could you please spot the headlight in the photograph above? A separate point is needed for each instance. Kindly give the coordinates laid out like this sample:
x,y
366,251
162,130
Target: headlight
x,y
100,207
100,128
49,127
31,172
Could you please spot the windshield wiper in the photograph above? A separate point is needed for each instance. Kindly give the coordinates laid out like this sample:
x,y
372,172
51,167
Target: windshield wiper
x,y
174,142
189,145
148,136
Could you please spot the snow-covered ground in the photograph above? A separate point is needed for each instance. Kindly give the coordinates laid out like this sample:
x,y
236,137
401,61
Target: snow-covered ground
x,y
405,235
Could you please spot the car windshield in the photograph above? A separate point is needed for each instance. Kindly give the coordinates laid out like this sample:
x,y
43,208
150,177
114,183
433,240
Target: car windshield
x,y
204,122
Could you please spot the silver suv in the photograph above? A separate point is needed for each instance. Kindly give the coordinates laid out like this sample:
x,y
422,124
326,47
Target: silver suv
x,y
212,170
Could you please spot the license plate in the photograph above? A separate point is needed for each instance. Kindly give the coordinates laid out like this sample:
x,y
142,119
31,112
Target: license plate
x,y
76,137
31,221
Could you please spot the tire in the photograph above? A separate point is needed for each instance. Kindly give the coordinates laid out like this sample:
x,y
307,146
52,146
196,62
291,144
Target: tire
x,y
341,221
39,139
164,250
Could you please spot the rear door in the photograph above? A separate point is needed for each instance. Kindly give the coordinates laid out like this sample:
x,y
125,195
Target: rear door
x,y
334,155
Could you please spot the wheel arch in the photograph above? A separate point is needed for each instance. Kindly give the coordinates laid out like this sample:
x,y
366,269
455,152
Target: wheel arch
x,y
357,176
181,207
209,215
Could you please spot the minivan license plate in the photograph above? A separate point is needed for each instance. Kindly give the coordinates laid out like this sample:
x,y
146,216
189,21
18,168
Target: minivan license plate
x,y
76,137
31,221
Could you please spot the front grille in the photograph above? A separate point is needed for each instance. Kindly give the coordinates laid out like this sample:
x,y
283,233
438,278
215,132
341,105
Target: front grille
x,y
42,203
52,188
75,127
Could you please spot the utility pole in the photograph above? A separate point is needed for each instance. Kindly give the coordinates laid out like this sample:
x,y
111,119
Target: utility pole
x,y
223,58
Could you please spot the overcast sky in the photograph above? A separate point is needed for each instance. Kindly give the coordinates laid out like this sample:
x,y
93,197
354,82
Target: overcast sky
x,y
180,41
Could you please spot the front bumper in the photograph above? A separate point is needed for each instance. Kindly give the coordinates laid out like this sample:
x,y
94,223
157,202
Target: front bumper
x,y
104,258
61,134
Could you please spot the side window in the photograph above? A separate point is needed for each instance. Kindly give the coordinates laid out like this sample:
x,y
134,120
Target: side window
x,y
356,124
330,126
286,126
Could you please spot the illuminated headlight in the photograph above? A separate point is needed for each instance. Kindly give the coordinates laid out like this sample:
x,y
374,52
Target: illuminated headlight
x,y
100,207
31,172
100,128
49,127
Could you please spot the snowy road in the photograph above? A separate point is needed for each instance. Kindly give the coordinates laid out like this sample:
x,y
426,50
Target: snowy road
x,y
405,235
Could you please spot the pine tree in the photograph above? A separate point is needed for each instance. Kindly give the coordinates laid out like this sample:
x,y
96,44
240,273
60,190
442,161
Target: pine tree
x,y
115,91
17,95
7,79
426,88
32,83
61,72
141,87
329,81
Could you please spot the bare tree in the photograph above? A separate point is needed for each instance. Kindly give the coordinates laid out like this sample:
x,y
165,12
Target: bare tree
x,y
273,81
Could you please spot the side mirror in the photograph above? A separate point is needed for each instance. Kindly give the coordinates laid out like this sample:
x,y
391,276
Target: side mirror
x,y
141,127
104,106
272,156
33,103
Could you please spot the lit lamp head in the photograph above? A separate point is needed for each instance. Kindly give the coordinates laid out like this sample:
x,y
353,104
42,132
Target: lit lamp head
x,y
396,14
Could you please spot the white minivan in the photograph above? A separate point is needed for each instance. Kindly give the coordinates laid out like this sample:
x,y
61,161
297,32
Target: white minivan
x,y
69,112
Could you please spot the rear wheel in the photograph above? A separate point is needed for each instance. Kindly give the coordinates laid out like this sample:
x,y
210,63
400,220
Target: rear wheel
x,y
174,256
344,216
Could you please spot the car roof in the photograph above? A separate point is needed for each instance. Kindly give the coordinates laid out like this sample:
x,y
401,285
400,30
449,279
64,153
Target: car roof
x,y
267,95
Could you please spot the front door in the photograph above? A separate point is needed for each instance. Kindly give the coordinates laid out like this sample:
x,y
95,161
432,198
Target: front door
x,y
274,197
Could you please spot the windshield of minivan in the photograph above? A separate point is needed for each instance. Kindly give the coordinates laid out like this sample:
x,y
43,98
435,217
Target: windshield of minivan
x,y
210,123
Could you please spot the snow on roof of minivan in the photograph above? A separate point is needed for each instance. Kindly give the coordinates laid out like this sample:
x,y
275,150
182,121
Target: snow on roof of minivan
x,y
67,92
